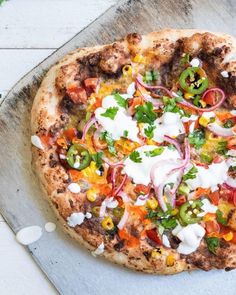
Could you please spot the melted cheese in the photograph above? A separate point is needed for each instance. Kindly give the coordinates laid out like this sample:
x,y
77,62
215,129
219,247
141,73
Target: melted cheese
x,y
169,124
122,121
140,172
190,237
209,178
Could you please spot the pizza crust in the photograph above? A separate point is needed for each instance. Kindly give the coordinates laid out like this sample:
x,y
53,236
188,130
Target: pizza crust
x,y
218,49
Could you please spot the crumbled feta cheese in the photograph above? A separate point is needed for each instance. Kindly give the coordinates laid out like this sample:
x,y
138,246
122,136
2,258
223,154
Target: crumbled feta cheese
x,y
131,89
166,241
99,250
225,74
36,141
88,215
195,62
74,188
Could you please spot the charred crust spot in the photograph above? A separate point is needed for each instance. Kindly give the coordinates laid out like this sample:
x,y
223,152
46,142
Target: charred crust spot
x,y
71,203
61,190
118,246
229,268
53,163
134,38
66,104
147,255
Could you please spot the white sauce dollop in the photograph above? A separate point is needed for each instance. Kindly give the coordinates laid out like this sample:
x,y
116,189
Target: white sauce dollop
x,y
209,178
36,141
50,227
140,172
169,124
122,121
75,219
207,207
29,235
195,62
225,74
190,236
131,89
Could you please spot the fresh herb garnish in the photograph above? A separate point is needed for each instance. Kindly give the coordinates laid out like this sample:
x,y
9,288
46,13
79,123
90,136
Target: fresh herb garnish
x,y
220,218
145,114
197,138
171,104
213,244
110,113
135,157
109,140
185,59
156,152
191,174
169,223
196,101
171,147
150,76
228,124
97,158
222,148
149,131
206,158
162,219
121,101
125,133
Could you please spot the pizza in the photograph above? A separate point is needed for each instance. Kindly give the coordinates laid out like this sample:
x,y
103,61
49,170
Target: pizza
x,y
134,145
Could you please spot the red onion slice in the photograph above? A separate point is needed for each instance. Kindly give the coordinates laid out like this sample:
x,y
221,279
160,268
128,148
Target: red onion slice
x,y
220,131
223,97
174,142
139,79
146,97
116,192
87,126
123,220
103,208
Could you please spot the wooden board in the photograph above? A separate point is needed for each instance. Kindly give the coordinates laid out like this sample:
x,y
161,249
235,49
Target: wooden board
x,y
70,268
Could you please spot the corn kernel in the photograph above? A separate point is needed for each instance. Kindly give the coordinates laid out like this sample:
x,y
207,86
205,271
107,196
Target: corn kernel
x,y
156,253
209,217
127,70
170,260
212,137
96,211
188,95
92,194
228,237
174,212
139,59
107,223
203,103
152,203
150,142
204,121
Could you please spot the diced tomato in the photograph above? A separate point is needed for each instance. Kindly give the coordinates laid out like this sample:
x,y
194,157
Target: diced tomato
x,y
214,197
77,94
138,211
218,159
212,226
231,144
130,240
202,192
234,238
133,103
223,116
142,189
46,140
152,235
62,142
229,195
75,175
210,98
120,200
70,133
91,84
188,124
181,200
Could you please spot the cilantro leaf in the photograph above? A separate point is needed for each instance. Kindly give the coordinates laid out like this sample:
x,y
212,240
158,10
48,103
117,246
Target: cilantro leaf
x,y
171,147
213,244
156,152
169,223
135,157
197,138
228,124
150,76
145,114
191,174
121,101
125,133
222,147
149,131
110,113
170,104
110,142
97,158
220,218
185,59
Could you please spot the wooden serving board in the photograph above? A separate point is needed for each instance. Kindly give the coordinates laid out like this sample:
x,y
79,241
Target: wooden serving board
x,y
70,268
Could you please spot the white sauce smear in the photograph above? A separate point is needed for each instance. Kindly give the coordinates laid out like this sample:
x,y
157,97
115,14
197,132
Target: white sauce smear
x,y
29,235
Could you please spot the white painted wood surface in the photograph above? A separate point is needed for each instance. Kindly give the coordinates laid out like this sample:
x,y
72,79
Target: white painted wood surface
x,y
29,32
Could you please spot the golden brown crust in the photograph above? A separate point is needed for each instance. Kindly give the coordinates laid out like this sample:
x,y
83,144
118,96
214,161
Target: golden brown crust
x,y
162,49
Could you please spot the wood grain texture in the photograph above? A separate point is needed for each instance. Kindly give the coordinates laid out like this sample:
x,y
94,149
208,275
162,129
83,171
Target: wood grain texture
x,y
70,268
